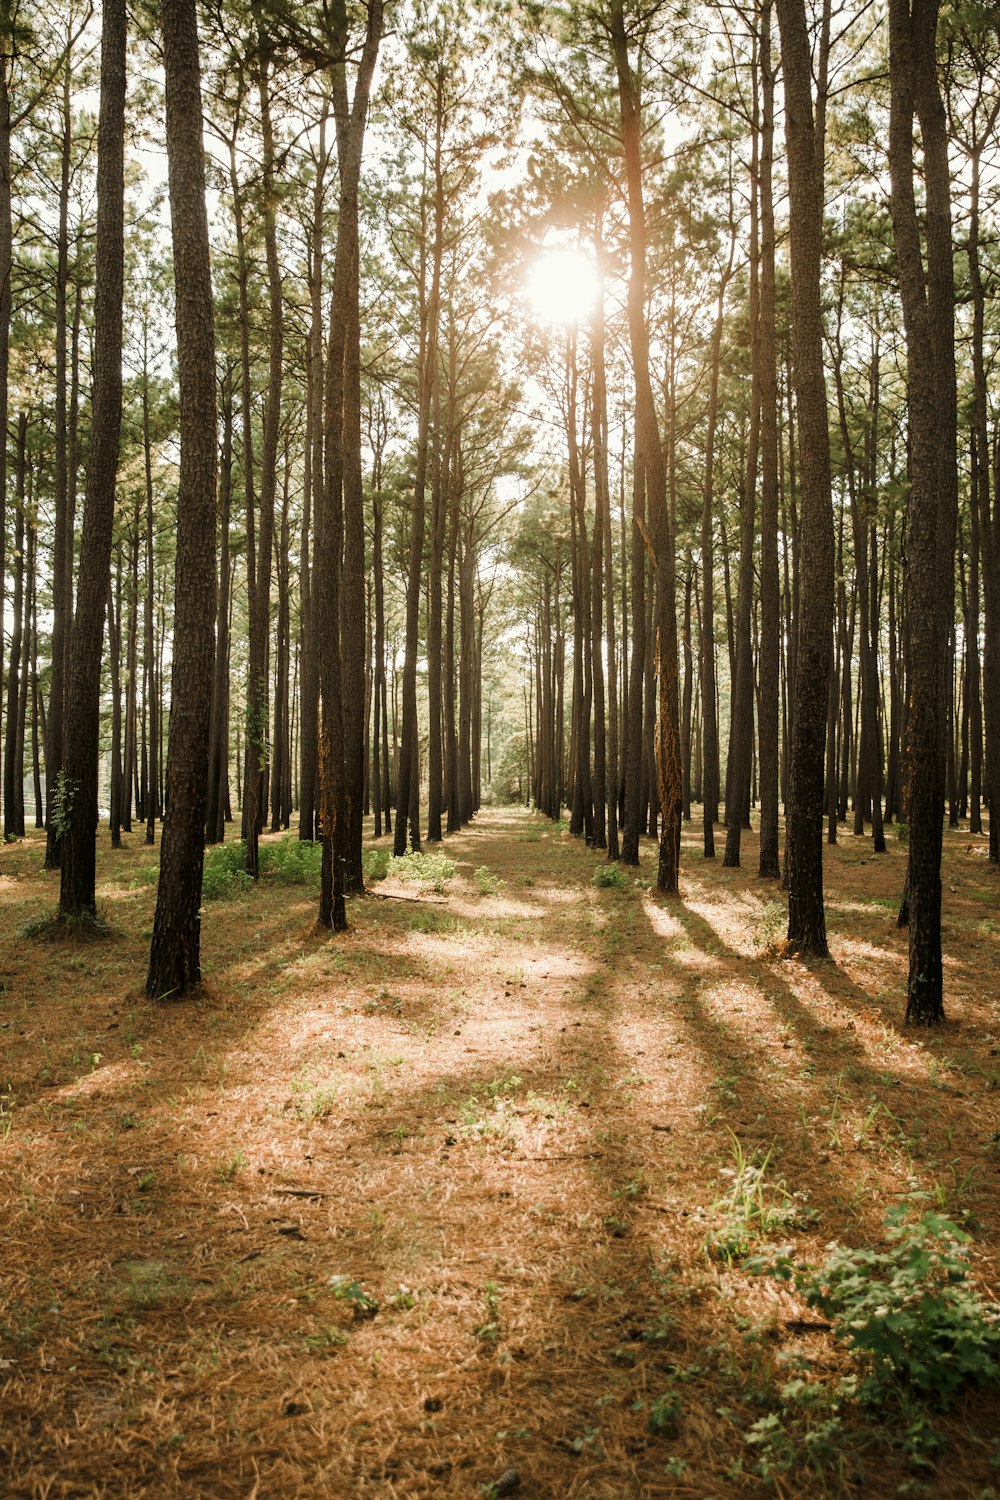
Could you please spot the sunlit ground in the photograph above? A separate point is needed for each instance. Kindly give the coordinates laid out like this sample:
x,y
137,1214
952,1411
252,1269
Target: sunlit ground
x,y
505,1113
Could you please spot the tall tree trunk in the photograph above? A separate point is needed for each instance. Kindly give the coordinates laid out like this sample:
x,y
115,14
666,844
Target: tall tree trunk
x,y
13,768
259,584
770,642
604,571
115,642
312,490
710,733
218,744
175,952
77,895
341,464
741,723
804,134
408,780
63,539
928,298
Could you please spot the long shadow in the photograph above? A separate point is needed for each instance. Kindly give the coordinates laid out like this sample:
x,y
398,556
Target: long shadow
x,y
583,1263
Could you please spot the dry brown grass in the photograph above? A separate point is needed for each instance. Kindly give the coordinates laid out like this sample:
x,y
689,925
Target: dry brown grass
x,y
504,1117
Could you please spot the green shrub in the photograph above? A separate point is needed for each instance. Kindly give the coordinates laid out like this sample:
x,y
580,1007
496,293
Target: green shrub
x,y
910,1311
291,861
224,875
611,875
376,863
427,869
486,883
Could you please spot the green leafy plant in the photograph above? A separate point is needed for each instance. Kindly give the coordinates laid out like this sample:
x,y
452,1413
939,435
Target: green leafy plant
x,y
314,1098
375,863
770,925
291,861
62,804
325,1340
781,1443
910,1311
362,1304
663,1414
611,876
224,876
486,883
433,870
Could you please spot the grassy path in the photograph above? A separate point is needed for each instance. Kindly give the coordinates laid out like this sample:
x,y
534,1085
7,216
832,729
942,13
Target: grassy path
x,y
508,1113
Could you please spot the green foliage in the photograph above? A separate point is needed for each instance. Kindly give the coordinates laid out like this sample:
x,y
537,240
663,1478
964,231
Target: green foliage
x,y
426,869
806,1434
224,876
292,861
314,1098
770,924
375,863
289,861
611,875
753,1207
486,883
663,1414
362,1304
489,1330
511,778
910,1310
62,805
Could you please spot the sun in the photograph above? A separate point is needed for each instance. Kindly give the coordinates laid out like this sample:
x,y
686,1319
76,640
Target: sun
x,y
562,287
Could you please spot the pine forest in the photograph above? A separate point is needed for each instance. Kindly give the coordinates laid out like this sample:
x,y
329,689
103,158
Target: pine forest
x,y
500,708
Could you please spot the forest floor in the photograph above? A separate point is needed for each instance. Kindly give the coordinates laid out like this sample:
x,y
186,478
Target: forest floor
x,y
394,1212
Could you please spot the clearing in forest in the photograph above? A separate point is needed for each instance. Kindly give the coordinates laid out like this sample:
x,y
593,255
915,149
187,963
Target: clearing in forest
x,y
470,1188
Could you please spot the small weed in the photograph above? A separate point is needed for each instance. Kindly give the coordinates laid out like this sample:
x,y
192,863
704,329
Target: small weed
x,y
486,884
231,1166
325,1341
753,1207
770,925
611,876
314,1099
663,1414
798,1439
375,863
489,1330
362,1304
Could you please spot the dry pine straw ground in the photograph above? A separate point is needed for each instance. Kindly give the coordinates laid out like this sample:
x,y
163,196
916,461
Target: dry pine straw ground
x,y
503,1113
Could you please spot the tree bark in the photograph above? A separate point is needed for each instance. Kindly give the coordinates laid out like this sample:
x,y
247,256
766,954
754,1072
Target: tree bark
x,y
804,134
175,952
928,298
77,897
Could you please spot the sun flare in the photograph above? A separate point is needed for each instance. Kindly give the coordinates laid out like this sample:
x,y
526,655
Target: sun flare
x,y
562,286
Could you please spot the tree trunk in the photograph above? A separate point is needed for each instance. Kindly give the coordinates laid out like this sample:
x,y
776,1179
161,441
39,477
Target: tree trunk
x,y
804,133
77,896
928,298
175,956
218,751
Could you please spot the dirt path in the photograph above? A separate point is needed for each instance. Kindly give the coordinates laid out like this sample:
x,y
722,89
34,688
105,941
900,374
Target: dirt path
x,y
504,1112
